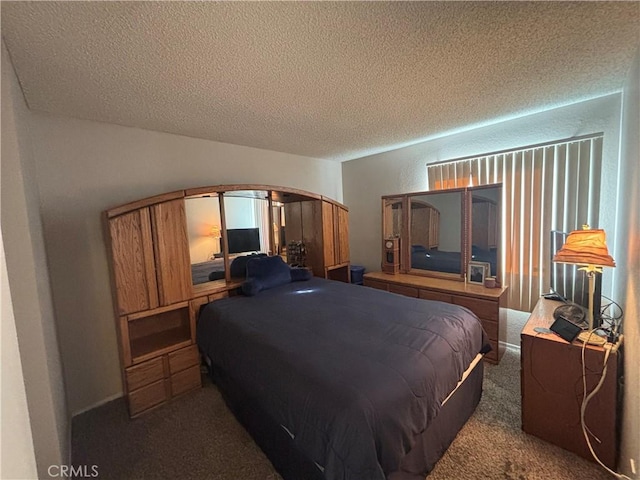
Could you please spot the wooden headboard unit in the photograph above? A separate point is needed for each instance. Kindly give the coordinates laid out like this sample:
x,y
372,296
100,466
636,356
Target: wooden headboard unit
x,y
155,301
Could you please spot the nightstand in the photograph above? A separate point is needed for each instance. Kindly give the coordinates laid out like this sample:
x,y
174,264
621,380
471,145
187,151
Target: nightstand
x,y
552,389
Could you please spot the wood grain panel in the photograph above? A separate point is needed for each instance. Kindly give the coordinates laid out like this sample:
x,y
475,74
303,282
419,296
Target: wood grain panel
x,y
145,202
312,235
492,356
375,284
431,295
402,290
485,309
185,380
147,397
145,373
343,234
132,255
218,296
491,328
183,359
328,238
171,247
195,306
293,222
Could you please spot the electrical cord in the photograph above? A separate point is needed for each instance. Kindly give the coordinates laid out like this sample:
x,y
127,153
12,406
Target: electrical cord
x,y
613,321
587,398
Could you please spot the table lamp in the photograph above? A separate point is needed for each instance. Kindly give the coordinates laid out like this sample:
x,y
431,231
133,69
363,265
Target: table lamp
x,y
587,248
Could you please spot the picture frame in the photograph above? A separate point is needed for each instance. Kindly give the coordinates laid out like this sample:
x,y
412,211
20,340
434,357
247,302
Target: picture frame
x,y
478,271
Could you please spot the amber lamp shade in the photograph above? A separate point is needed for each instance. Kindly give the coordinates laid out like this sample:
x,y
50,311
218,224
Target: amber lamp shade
x,y
215,231
588,248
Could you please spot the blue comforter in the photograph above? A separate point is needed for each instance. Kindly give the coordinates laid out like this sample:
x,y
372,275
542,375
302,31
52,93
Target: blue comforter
x,y
353,374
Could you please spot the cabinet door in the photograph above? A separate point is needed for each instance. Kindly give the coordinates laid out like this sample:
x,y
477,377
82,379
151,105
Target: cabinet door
x,y
293,222
171,246
328,235
335,234
341,226
312,235
133,264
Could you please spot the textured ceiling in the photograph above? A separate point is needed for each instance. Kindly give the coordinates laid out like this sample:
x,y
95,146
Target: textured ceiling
x,y
335,80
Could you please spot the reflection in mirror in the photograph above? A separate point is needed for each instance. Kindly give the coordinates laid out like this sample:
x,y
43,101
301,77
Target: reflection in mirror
x,y
279,237
436,232
392,218
204,231
485,226
247,221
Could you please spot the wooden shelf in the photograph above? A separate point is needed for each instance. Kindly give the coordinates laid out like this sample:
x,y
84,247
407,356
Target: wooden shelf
x,y
341,273
216,286
159,343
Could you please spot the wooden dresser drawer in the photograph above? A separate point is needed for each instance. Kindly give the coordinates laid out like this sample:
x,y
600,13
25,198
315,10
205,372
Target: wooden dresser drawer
x,y
402,290
492,356
144,373
185,380
374,284
485,309
183,358
432,295
491,328
147,397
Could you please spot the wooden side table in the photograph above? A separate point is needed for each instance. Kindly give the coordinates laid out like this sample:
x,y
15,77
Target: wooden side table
x,y
552,389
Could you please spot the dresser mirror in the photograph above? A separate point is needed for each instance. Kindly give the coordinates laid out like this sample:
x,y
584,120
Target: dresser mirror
x,y
485,226
436,232
204,229
441,231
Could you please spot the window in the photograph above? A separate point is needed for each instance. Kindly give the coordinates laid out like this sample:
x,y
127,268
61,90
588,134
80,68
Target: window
x,y
555,186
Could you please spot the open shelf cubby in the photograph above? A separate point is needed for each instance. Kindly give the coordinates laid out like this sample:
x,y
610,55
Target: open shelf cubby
x,y
158,333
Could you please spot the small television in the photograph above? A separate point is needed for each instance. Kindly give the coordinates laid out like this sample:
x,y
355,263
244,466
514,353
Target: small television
x,y
571,284
243,240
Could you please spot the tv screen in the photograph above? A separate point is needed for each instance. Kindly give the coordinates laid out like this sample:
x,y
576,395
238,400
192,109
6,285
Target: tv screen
x,y
243,240
572,284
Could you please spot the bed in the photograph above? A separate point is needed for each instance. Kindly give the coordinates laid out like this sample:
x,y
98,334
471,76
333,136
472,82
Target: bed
x,y
338,381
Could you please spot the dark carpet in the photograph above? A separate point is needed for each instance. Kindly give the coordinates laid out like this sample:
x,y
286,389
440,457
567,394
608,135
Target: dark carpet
x,y
197,437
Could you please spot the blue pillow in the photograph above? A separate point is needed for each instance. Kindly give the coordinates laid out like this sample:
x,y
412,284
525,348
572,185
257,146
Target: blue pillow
x,y
264,273
418,248
239,265
300,274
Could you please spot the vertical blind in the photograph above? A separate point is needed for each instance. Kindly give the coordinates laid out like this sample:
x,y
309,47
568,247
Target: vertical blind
x,y
548,187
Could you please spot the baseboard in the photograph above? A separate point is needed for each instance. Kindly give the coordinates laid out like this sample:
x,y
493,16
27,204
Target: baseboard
x,y
510,346
98,404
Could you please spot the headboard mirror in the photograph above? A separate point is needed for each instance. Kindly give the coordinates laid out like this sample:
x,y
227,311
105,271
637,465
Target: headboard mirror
x,y
204,229
442,231
228,221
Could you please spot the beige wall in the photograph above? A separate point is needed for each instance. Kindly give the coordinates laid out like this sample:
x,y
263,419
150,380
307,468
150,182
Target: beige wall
x,y
404,170
86,167
365,180
17,457
627,272
28,283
